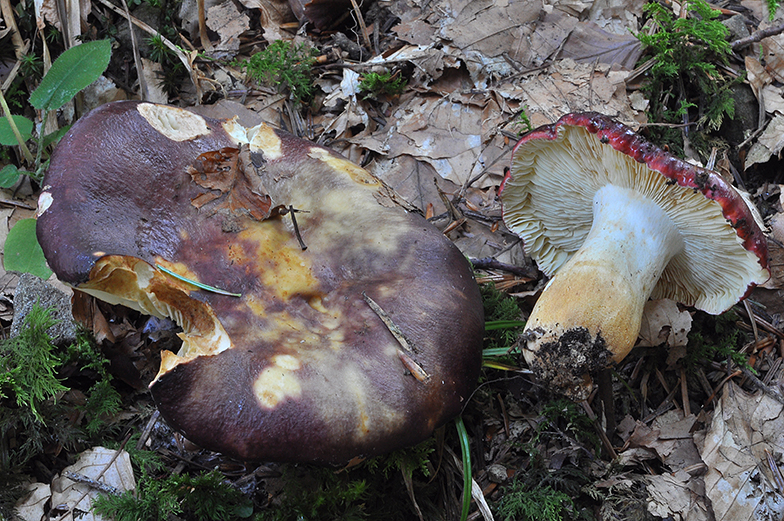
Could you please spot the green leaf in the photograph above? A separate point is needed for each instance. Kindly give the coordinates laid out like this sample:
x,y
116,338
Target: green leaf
x,y
7,136
22,251
55,136
72,71
9,175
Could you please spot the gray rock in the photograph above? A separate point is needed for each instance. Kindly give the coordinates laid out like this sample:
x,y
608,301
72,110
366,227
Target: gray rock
x,y
737,26
497,473
30,290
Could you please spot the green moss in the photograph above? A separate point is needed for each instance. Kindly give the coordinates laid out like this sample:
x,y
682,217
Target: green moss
x,y
715,338
375,85
502,322
204,497
374,489
284,66
685,77
29,362
31,413
535,504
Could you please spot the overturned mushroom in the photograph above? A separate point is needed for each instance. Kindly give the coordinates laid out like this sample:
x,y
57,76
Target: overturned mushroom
x,y
354,332
615,220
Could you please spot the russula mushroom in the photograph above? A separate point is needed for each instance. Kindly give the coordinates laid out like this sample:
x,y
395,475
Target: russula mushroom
x,y
353,330
615,220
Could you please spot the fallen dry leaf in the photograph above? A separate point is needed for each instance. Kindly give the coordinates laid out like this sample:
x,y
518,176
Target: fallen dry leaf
x,y
739,482
677,496
617,16
490,38
456,136
589,43
669,437
33,506
769,143
776,252
226,20
68,493
773,52
569,86
664,323
353,113
152,72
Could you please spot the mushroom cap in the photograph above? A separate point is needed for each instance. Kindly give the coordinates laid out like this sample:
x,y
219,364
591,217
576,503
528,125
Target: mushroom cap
x,y
548,201
300,367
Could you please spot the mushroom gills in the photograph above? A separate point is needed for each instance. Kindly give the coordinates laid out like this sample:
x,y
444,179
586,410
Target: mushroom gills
x,y
589,313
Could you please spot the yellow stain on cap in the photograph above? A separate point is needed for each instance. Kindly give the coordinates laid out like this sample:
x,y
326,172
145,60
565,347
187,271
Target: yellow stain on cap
x,y
262,137
174,123
278,381
358,174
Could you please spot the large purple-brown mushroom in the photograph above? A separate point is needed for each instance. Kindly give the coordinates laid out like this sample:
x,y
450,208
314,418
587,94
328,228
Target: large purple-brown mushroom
x,y
615,220
331,323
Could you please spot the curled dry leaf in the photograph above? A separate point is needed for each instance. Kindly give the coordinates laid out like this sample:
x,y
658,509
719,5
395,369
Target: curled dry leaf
x,y
230,175
33,506
664,323
744,430
226,20
92,464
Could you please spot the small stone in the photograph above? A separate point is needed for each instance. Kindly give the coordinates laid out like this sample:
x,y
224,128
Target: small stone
x,y
30,290
496,473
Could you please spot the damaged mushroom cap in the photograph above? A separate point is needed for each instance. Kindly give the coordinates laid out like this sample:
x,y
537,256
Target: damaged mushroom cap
x,y
298,360
615,220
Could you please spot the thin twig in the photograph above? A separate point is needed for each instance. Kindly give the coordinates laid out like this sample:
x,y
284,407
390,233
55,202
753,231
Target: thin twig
x,y
489,263
774,469
302,244
362,26
92,483
148,429
401,337
757,36
137,59
183,57
685,393
603,435
409,348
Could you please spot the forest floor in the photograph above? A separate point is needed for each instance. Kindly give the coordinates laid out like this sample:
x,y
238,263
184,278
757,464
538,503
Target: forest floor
x,y
431,96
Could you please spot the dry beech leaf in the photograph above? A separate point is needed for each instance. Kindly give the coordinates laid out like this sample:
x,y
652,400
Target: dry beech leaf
x,y
568,86
90,464
486,37
33,506
769,143
745,428
226,20
773,52
588,43
776,253
229,174
664,323
549,37
677,496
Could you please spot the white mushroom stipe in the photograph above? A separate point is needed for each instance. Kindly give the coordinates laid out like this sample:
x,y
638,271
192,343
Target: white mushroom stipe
x,y
609,279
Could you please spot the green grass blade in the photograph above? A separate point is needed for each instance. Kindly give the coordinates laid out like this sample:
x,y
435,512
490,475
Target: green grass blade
x,y
492,325
199,285
72,71
467,477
